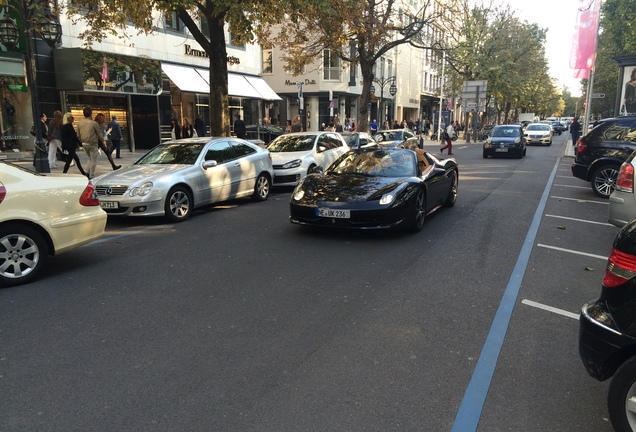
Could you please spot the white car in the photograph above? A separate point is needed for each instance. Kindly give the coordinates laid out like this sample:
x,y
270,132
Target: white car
x,y
538,133
178,176
42,215
294,154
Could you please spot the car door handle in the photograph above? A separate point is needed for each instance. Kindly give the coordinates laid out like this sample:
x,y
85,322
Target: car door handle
x,y
236,164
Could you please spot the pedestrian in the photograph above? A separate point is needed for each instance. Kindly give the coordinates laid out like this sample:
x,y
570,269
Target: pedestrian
x,y
373,127
199,126
575,130
115,137
339,126
70,143
54,138
449,134
90,134
427,127
296,127
239,127
101,121
175,129
187,131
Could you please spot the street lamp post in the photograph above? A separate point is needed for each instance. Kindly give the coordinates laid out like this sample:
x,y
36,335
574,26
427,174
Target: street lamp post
x,y
382,82
48,27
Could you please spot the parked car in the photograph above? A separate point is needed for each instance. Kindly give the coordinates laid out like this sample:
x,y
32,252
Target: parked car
x,y
538,133
294,154
265,133
622,201
376,188
393,138
505,140
358,139
41,216
607,331
178,176
599,154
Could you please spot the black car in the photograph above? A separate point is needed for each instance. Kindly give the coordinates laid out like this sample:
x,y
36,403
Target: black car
x,y
376,188
598,155
392,138
505,140
265,133
557,127
358,139
607,331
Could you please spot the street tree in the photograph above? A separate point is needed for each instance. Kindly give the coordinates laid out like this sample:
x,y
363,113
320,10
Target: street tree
x,y
357,32
206,20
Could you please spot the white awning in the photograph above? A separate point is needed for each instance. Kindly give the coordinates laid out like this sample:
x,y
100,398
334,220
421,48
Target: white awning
x,y
195,80
186,78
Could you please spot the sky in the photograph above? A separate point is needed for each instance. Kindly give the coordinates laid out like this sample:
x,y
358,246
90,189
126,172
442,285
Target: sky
x,y
559,17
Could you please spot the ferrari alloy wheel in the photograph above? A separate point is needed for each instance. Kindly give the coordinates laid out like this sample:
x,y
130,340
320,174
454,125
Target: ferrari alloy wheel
x,y
621,398
420,212
261,188
452,193
604,180
23,252
178,204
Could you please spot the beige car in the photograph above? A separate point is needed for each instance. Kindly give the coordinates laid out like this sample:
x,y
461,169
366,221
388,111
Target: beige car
x,y
43,215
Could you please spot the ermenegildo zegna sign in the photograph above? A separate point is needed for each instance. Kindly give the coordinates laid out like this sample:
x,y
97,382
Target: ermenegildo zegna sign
x,y
200,53
77,69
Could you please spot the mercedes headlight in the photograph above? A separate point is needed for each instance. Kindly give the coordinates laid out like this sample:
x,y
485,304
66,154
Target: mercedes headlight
x,y
142,190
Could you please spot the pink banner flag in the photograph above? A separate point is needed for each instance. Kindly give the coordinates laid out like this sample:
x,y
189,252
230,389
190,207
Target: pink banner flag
x,y
584,40
104,71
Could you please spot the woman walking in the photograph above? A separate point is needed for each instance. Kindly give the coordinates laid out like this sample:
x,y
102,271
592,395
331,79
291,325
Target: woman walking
x,y
70,143
55,141
101,121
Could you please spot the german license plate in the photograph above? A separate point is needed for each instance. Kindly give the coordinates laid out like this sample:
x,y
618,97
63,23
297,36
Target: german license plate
x,y
331,213
109,204
503,150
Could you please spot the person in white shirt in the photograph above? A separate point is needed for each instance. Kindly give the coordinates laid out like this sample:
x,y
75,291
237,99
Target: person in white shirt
x,y
449,134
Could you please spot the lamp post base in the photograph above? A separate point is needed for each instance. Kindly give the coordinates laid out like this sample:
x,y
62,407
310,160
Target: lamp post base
x,y
41,159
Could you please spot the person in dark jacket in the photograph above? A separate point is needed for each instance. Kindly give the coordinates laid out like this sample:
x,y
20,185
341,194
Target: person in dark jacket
x,y
70,143
575,130
239,127
115,137
175,129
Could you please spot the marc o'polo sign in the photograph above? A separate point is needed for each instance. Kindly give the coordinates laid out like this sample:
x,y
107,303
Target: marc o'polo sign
x,y
200,53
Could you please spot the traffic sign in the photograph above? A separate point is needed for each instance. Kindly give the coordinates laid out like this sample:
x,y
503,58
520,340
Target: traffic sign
x,y
598,95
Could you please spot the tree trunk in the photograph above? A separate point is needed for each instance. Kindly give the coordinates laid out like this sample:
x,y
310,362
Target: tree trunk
x,y
219,105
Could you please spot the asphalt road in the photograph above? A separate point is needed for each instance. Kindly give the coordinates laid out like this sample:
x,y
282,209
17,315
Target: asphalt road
x,y
237,320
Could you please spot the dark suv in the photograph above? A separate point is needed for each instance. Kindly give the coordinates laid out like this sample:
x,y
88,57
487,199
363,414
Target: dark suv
x,y
600,153
607,331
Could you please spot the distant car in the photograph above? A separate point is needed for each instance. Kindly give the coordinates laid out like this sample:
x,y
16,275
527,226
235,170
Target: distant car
x,y
374,188
295,154
599,154
538,133
505,140
557,128
265,133
622,201
607,331
41,216
175,177
358,139
392,138
565,124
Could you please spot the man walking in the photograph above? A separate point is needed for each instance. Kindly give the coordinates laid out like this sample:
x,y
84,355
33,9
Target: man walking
x,y
296,127
575,130
115,137
449,134
373,127
239,127
90,134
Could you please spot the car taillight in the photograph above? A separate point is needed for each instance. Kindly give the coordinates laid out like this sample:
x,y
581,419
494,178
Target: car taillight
x,y
621,267
580,146
625,182
3,192
89,196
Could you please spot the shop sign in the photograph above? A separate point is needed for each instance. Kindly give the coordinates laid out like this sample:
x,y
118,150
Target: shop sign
x,y
200,53
306,82
17,87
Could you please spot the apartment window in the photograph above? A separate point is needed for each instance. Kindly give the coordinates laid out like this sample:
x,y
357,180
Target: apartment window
x,y
268,67
331,66
232,41
172,22
390,67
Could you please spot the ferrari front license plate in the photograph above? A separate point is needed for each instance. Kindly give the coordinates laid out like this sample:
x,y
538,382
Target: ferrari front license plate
x,y
331,213
109,204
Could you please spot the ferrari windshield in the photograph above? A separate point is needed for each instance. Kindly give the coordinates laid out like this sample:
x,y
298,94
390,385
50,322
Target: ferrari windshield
x,y
381,163
389,135
172,154
292,143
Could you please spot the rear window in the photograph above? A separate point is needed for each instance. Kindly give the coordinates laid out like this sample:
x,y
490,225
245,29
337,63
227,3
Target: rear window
x,y
620,130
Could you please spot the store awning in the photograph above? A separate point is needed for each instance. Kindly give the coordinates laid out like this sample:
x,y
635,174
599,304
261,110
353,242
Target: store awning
x,y
195,80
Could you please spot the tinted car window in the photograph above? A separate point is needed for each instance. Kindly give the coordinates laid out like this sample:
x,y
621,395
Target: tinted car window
x,y
621,130
242,149
220,152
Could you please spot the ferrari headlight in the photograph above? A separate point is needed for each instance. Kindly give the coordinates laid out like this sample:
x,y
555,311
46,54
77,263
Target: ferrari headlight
x,y
389,197
141,190
293,164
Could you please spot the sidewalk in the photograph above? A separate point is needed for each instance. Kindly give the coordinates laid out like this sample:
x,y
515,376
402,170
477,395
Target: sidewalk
x,y
25,159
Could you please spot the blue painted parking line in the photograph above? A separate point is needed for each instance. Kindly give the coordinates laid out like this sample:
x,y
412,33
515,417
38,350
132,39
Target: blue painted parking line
x,y
131,233
469,413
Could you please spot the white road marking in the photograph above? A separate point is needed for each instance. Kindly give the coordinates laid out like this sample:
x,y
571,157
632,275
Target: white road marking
x,y
580,200
572,186
550,309
580,220
604,258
